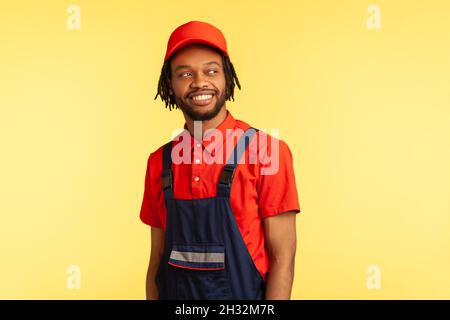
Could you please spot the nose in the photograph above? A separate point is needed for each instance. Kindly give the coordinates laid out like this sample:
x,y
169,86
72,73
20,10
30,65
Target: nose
x,y
199,81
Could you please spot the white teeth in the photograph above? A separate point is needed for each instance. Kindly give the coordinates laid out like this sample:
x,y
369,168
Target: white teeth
x,y
202,97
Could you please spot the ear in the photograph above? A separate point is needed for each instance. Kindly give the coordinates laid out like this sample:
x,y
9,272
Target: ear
x,y
170,87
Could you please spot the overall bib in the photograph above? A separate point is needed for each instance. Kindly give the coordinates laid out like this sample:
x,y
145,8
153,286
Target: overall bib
x,y
205,256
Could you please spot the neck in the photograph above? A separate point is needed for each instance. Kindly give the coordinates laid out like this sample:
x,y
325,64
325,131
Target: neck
x,y
206,124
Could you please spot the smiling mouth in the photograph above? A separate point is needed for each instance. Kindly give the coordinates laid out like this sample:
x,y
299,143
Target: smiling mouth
x,y
201,99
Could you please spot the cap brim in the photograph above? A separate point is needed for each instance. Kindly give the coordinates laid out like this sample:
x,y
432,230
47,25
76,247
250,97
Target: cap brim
x,y
189,41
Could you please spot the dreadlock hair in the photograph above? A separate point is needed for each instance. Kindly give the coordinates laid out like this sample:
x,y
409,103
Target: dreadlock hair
x,y
231,80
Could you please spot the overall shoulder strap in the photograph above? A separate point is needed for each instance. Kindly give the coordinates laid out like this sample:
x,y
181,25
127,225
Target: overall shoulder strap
x,y
227,174
167,177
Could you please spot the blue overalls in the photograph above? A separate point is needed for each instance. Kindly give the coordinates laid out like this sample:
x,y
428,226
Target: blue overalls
x,y
205,256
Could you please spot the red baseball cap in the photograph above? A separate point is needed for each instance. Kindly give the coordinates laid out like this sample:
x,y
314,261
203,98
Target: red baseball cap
x,y
196,32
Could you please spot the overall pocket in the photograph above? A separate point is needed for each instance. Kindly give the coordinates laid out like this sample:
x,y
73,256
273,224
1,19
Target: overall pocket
x,y
199,271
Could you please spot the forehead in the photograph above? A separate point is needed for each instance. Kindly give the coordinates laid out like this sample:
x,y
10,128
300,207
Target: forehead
x,y
195,55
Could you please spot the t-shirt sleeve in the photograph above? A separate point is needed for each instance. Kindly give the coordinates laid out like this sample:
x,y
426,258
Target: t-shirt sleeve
x,y
277,190
149,214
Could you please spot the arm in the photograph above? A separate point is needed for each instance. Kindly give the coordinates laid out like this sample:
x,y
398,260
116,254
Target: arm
x,y
157,248
281,242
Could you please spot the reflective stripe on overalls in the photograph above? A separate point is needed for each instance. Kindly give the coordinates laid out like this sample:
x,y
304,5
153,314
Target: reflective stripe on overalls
x,y
205,256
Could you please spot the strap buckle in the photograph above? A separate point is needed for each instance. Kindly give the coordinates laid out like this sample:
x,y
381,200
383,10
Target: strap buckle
x,y
167,179
226,176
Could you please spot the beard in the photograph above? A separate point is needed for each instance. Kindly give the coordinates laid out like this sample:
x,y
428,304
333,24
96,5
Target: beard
x,y
201,116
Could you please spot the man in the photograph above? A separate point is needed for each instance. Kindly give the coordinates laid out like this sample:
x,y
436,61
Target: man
x,y
222,229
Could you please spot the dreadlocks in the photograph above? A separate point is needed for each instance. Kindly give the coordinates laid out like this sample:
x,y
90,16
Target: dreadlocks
x,y
231,80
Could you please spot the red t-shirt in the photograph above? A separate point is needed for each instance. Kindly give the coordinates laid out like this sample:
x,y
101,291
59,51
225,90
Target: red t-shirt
x,y
253,197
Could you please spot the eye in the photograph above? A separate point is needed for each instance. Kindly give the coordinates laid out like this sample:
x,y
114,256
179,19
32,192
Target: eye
x,y
185,74
212,71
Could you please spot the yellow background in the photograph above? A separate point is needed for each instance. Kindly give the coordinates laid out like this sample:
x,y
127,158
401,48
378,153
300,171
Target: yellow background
x,y
365,113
